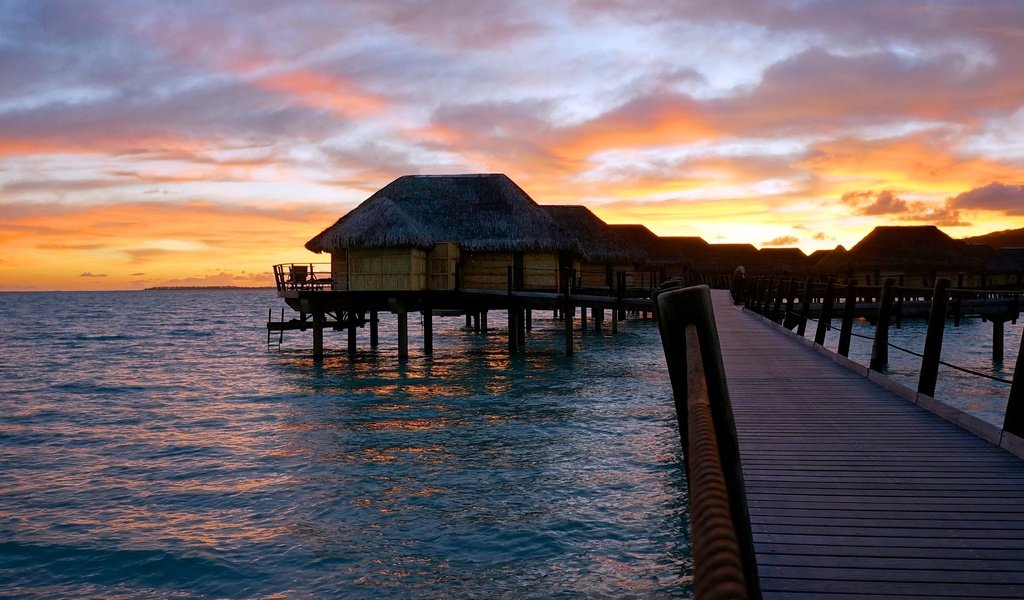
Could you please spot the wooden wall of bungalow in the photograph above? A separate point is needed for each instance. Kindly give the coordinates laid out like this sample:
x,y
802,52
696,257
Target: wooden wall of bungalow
x,y
398,269
532,270
606,273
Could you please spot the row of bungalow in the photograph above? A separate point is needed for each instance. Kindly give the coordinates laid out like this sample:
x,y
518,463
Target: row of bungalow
x,y
448,232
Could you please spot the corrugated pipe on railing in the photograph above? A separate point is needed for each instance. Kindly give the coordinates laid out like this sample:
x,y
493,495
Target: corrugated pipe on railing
x,y
724,563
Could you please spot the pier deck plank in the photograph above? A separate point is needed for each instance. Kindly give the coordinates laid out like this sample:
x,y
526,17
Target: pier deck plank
x,y
856,493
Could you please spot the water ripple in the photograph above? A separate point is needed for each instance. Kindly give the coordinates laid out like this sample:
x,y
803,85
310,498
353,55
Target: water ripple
x,y
150,447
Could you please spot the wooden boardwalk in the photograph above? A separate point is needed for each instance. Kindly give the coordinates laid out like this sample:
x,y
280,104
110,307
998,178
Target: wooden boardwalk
x,y
855,492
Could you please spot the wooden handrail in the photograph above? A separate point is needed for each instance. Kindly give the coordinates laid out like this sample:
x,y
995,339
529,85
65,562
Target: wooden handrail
x,y
723,551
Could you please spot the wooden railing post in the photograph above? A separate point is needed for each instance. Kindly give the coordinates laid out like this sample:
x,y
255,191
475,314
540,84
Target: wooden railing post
x,y
880,348
753,294
933,339
825,316
846,331
789,319
687,324
1013,421
777,309
805,308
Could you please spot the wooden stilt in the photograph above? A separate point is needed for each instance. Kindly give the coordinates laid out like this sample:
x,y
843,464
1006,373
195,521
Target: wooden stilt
x,y
351,336
529,319
567,326
997,339
428,331
374,337
318,335
583,317
513,330
403,334
615,321
598,314
521,328
483,321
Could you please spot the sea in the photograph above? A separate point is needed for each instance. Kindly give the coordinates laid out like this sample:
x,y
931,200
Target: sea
x,y
153,445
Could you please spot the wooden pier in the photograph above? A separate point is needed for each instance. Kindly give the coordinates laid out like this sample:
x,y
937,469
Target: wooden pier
x,y
856,491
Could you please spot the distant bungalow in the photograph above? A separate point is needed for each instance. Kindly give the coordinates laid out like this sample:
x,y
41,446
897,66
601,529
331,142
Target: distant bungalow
x,y
453,232
916,256
604,258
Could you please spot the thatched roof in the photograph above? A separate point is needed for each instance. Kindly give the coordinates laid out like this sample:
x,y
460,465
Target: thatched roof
x,y
823,261
908,248
597,240
792,260
726,257
479,212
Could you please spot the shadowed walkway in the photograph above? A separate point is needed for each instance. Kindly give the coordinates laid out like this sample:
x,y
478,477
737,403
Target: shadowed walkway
x,y
856,493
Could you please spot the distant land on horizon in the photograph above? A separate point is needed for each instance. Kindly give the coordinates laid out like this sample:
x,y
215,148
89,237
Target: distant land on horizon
x,y
161,288
1008,238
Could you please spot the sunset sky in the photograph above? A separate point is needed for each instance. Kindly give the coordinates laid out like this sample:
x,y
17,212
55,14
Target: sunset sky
x,y
198,143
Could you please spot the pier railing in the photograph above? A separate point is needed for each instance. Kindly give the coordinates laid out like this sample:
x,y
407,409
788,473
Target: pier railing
x,y
777,299
723,552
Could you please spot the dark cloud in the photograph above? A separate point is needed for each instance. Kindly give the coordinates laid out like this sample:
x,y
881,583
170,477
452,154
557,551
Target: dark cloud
x,y
884,202
887,203
994,196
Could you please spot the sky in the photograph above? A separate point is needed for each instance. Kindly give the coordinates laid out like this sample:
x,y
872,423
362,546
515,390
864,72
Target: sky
x,y
199,143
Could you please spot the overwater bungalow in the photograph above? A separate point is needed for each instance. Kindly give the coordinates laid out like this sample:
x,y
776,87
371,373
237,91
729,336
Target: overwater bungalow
x,y
442,232
786,262
603,259
816,257
914,256
649,272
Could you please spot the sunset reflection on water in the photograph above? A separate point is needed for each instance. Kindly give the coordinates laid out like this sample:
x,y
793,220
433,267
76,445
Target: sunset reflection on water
x,y
173,455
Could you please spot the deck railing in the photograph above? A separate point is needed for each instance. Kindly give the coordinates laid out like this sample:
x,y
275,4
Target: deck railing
x,y
319,277
303,276
776,299
724,564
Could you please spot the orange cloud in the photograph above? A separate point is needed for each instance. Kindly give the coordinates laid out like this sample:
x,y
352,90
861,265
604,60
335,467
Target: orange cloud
x,y
646,122
173,241
320,90
913,163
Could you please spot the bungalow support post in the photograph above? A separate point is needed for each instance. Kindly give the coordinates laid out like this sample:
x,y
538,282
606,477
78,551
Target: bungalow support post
x,y
403,334
318,334
428,330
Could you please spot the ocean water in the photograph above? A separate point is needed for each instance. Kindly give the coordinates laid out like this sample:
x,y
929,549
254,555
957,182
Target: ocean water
x,y
968,346
151,446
